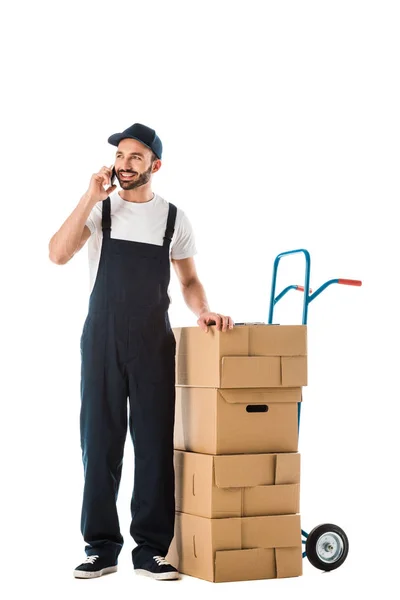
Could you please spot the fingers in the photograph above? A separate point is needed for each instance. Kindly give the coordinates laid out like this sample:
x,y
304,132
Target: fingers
x,y
222,322
227,323
218,320
106,173
202,324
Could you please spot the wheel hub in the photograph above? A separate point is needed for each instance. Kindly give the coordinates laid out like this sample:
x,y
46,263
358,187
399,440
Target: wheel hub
x,y
329,547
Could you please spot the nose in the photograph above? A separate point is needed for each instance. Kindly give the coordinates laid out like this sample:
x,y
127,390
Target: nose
x,y
126,167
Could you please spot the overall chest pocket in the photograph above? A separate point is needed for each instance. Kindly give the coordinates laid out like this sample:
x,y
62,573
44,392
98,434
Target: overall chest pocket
x,y
136,283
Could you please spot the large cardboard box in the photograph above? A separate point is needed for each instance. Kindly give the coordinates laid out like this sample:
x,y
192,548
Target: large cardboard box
x,y
237,549
237,485
243,357
236,421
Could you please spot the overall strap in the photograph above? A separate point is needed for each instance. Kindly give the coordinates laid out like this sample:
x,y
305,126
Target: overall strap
x,y
169,230
106,217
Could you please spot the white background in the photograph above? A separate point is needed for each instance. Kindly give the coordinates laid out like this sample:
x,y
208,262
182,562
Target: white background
x,y
280,124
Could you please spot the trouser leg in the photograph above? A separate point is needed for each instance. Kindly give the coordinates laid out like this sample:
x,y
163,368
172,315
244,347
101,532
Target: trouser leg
x,y
103,427
151,424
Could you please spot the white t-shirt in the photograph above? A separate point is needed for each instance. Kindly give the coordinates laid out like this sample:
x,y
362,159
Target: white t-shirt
x,y
141,222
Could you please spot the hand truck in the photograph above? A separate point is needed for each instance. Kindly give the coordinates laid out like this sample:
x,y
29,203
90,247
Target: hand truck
x,y
327,545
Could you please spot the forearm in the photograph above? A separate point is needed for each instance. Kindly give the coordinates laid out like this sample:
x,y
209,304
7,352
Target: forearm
x,y
65,241
195,297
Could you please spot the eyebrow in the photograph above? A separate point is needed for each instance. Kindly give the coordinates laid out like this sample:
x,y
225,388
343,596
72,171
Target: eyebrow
x,y
131,154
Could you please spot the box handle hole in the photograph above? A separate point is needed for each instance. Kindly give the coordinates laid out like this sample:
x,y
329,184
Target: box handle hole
x,y
257,408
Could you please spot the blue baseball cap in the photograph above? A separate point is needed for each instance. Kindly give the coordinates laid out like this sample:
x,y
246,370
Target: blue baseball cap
x,y
143,134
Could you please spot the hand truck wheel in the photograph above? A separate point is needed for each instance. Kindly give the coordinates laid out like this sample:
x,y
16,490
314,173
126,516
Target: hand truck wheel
x,y
327,547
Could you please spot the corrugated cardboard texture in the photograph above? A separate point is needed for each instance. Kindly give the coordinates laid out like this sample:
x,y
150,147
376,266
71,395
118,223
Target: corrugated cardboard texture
x,y
263,371
244,565
237,549
236,421
245,356
237,485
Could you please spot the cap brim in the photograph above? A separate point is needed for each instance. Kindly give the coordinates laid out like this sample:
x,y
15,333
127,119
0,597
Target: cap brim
x,y
115,139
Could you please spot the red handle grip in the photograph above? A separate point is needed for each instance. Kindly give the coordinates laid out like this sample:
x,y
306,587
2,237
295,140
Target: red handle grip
x,y
350,281
300,288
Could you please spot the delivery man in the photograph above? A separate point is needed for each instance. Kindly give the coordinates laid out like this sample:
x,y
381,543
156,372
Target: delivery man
x,y
128,350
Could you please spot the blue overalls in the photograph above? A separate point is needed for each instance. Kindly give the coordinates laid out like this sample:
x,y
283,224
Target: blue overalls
x,y
128,350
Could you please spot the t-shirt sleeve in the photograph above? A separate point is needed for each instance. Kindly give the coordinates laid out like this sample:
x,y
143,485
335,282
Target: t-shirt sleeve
x,y
90,224
93,219
184,244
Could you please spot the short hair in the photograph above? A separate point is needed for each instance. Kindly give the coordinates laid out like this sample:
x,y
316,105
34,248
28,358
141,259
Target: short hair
x,y
153,156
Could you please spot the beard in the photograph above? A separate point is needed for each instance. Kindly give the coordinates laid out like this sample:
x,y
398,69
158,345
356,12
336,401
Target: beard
x,y
137,181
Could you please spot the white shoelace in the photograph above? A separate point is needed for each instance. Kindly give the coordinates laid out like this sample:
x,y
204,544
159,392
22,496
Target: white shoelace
x,y
91,559
160,560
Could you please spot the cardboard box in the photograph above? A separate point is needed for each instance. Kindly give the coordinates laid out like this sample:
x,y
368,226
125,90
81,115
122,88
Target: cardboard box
x,y
245,356
237,549
236,421
237,485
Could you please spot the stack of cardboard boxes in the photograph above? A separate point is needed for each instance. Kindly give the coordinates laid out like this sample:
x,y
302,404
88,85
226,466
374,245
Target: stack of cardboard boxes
x,y
237,466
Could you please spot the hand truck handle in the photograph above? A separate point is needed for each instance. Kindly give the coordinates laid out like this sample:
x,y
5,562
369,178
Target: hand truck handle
x,y
308,297
350,281
306,286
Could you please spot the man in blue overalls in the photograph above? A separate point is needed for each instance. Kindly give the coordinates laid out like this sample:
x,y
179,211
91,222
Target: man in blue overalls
x,y
128,350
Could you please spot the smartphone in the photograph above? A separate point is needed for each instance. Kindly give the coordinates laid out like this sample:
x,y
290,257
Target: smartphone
x,y
113,176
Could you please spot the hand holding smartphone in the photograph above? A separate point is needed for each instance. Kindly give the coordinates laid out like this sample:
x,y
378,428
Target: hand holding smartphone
x,y
98,181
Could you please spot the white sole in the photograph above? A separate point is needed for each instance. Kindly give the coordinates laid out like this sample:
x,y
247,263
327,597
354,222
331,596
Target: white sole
x,y
89,574
171,575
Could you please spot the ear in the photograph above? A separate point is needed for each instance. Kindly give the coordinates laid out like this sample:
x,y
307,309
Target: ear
x,y
156,166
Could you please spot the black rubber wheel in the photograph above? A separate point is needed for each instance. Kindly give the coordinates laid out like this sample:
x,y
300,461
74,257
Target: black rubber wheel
x,y
327,547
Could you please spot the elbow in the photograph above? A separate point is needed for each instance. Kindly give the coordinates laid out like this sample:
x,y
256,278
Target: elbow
x,y
55,257
57,260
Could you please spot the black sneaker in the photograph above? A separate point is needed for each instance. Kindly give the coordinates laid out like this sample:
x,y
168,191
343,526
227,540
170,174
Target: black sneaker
x,y
158,568
95,566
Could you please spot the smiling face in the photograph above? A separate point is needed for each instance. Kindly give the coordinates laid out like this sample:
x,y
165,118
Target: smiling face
x,y
134,164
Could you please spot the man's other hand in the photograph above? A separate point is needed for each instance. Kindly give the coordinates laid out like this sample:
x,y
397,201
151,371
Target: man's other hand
x,y
211,318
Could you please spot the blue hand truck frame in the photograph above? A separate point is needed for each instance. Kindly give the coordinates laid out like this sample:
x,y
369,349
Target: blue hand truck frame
x,y
327,545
